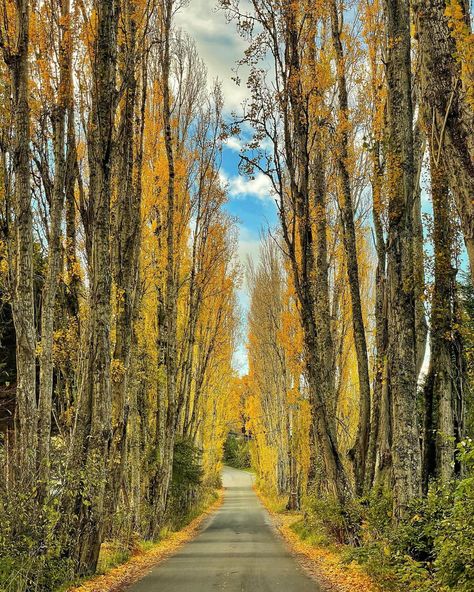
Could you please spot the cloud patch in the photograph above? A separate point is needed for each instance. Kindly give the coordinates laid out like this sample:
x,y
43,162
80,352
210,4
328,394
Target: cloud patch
x,y
233,143
239,187
218,44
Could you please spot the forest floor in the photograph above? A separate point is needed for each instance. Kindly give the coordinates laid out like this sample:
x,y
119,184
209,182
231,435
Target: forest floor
x,y
326,564
145,558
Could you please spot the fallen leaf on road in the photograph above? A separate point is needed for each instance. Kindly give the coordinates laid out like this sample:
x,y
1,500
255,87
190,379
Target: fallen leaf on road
x,y
119,578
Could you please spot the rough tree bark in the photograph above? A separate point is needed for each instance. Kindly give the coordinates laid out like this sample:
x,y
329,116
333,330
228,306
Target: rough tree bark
x,y
51,283
71,261
379,455
401,347
125,249
439,389
447,112
93,430
358,453
16,57
298,164
168,314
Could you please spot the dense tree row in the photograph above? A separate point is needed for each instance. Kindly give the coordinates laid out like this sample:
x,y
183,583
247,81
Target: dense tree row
x,y
118,281
359,113
118,277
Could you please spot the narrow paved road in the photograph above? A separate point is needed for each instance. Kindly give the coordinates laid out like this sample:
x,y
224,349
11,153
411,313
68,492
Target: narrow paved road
x,y
237,551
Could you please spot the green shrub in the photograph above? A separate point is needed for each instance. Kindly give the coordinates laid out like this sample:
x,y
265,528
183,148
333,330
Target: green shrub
x,y
112,554
237,452
186,482
339,524
309,534
30,552
432,550
454,534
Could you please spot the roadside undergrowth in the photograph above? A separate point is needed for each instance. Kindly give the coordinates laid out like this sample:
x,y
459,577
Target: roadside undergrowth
x,y
326,563
146,556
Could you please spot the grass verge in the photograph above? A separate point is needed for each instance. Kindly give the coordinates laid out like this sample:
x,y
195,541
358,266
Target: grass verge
x,y
146,557
326,563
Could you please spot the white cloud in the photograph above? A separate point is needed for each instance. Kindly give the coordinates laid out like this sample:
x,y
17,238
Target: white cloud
x,y
233,143
240,361
218,44
224,179
260,186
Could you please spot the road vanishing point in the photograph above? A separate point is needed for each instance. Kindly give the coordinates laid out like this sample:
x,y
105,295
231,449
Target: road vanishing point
x,y
237,550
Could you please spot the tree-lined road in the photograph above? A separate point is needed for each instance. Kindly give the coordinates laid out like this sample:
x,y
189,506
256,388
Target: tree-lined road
x,y
238,551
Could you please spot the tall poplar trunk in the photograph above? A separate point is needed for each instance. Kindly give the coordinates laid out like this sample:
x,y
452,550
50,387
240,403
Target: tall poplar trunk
x,y
93,430
358,453
188,367
440,389
294,498
449,123
379,455
168,314
335,479
157,443
447,110
55,252
71,261
125,249
23,304
401,347
194,304
322,307
72,267
317,195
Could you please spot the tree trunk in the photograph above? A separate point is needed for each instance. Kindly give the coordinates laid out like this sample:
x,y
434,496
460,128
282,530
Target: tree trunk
x,y
447,110
169,311
72,265
93,430
379,456
401,349
439,389
304,269
125,249
358,453
23,305
322,306
55,252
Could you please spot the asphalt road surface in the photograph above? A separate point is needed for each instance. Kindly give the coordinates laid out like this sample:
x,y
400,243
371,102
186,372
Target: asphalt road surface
x,y
238,551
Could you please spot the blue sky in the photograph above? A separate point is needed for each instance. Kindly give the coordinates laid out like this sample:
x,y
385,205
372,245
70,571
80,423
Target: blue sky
x,y
250,200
